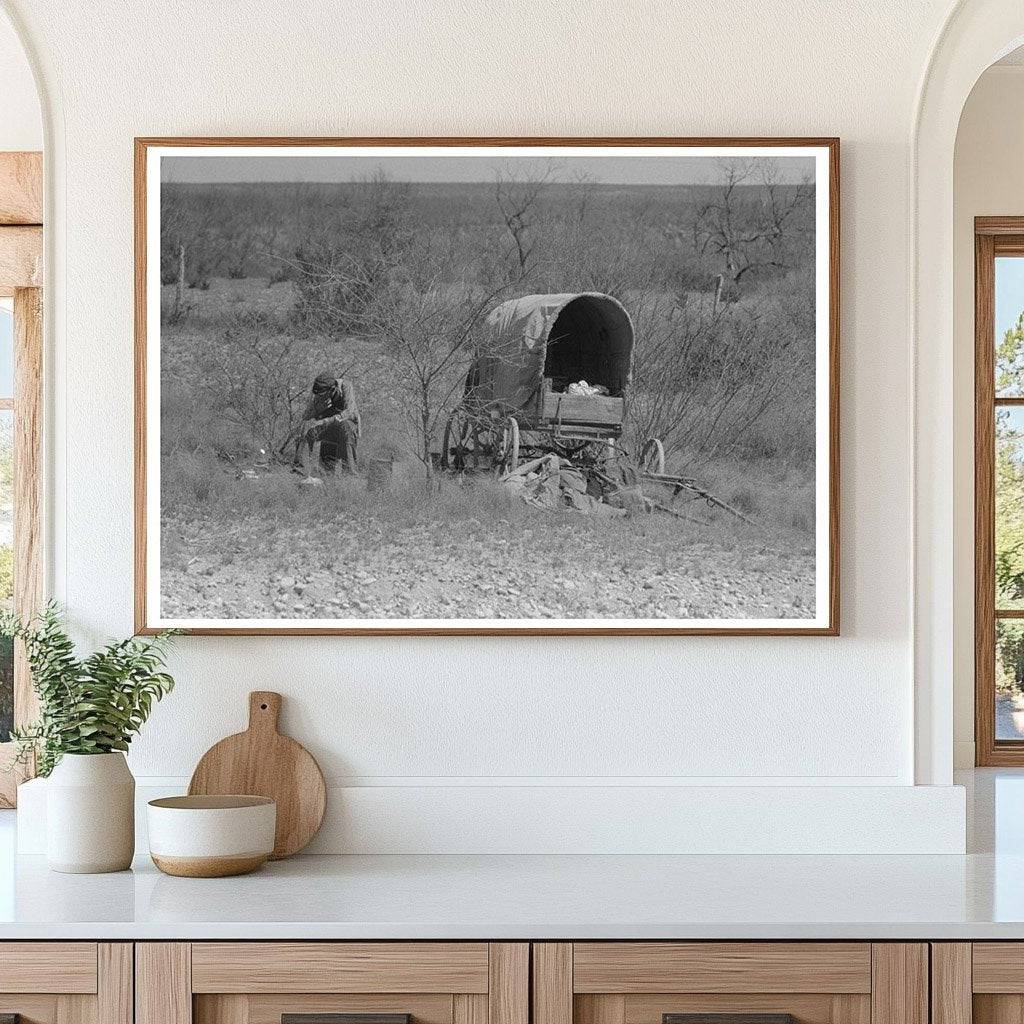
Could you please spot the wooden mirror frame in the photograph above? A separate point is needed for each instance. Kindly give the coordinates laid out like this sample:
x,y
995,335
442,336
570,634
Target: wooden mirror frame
x,y
21,277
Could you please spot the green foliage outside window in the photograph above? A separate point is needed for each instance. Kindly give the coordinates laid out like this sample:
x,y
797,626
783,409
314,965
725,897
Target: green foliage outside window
x,y
1009,508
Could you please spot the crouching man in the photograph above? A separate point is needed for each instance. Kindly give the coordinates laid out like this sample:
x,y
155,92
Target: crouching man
x,y
332,420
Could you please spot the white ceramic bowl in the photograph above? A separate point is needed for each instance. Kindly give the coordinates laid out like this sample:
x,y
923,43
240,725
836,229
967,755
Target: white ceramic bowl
x,y
211,836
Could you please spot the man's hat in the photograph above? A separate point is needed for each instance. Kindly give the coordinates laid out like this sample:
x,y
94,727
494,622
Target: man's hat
x,y
324,382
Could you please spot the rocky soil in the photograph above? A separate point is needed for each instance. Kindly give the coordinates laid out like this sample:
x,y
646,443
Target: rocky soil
x,y
511,563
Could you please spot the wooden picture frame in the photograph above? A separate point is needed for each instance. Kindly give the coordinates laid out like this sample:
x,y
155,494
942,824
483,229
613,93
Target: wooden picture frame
x,y
825,621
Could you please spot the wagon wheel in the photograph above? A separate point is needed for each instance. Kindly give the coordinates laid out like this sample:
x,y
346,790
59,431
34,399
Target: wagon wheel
x,y
508,455
652,458
451,448
460,442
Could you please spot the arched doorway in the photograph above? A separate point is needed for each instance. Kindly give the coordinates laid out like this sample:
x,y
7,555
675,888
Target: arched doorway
x,y
976,33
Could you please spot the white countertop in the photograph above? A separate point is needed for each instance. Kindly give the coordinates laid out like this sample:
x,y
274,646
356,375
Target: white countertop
x,y
532,897
978,896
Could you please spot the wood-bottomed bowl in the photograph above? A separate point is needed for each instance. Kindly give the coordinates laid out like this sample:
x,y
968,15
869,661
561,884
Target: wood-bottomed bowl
x,y
211,836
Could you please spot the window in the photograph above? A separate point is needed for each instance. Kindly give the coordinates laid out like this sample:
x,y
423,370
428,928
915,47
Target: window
x,y
999,490
21,374
20,503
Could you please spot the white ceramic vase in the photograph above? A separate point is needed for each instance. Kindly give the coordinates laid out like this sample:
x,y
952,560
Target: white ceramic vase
x,y
90,814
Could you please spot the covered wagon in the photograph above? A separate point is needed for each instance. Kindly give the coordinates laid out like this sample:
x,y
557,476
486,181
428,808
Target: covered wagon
x,y
552,374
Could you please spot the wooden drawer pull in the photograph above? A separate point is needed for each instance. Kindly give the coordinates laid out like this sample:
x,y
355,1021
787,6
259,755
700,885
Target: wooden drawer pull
x,y
728,1018
340,1018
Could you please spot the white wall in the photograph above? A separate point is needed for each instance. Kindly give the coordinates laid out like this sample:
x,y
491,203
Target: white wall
x,y
21,125
439,714
988,180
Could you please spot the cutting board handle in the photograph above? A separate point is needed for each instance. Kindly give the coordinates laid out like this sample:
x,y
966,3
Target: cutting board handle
x,y
264,710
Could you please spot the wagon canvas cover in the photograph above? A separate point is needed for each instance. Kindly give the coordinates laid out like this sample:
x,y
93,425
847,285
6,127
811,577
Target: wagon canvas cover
x,y
595,326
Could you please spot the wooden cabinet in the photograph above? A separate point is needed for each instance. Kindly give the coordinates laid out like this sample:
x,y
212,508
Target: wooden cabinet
x,y
261,982
494,983
647,982
66,982
980,982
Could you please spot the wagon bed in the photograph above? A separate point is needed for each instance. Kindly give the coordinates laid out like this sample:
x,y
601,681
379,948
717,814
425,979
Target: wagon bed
x,y
551,408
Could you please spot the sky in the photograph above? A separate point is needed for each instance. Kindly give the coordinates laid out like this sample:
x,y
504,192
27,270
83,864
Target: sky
x,y
618,170
6,350
1009,293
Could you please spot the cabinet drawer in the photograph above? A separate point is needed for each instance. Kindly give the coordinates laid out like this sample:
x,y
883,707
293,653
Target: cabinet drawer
x,y
340,967
735,982
263,982
630,967
998,967
66,982
48,967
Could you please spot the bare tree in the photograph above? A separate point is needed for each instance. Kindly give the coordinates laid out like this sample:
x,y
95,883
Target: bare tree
x,y
432,317
754,222
432,321
178,233
519,205
258,378
339,275
422,298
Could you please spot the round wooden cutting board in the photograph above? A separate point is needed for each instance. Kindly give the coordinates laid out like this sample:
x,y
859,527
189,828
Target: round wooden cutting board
x,y
262,762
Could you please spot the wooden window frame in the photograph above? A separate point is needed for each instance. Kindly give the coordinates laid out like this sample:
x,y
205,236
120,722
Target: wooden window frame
x,y
993,236
21,270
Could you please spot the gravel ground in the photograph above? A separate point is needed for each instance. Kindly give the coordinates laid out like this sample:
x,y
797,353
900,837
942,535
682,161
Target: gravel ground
x,y
533,564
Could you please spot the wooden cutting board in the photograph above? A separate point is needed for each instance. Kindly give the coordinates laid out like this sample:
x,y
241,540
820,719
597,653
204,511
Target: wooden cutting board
x,y
262,762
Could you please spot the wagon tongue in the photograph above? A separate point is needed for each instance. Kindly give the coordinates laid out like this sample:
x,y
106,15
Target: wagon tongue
x,y
553,483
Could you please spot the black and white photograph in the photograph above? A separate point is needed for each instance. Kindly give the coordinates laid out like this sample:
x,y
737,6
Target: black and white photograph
x,y
468,387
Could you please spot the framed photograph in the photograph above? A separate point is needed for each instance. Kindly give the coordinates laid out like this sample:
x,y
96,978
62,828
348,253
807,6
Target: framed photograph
x,y
487,386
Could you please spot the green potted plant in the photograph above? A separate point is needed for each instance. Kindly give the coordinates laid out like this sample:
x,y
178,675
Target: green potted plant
x,y
89,710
